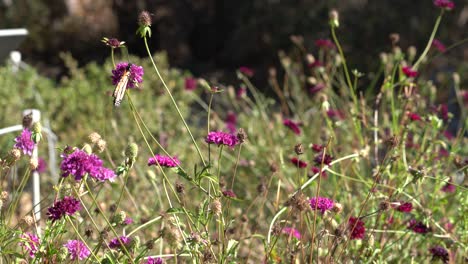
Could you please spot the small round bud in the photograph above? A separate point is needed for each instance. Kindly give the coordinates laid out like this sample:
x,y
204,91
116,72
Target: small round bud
x,y
334,18
37,128
394,38
144,19
180,188
131,151
15,154
33,164
384,205
87,148
299,149
101,145
241,135
94,137
337,208
274,167
27,120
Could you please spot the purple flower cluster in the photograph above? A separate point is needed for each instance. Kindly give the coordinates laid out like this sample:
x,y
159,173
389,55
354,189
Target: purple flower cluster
x,y
418,227
357,228
298,163
152,260
409,72
221,138
293,126
115,243
446,4
290,231
77,249
316,170
67,206
229,194
80,163
405,207
31,243
24,142
164,161
136,74
246,71
439,252
190,83
321,203
325,159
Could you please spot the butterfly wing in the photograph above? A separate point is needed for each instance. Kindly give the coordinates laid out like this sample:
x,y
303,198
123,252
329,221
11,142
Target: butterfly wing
x,y
120,88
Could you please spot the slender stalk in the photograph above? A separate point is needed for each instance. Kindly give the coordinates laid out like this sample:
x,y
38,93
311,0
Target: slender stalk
x,y
431,38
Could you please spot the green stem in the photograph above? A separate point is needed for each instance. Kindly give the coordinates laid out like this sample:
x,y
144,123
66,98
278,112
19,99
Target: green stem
x,y
173,101
429,44
81,238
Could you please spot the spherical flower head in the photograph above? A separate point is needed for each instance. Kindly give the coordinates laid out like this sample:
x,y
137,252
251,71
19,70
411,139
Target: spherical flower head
x,y
31,243
136,74
405,207
298,163
164,161
445,4
439,252
77,249
324,44
67,206
42,165
131,151
439,45
293,126
325,159
290,231
24,142
321,203
414,116
115,243
229,194
221,138
246,71
78,163
144,19
151,260
104,174
317,147
357,228
418,227
190,83
409,72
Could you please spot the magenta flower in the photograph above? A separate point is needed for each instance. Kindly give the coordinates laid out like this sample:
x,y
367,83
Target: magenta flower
x,y
357,228
317,147
439,45
24,142
136,74
164,161
151,260
409,72
115,243
79,163
316,88
128,221
77,249
229,194
31,243
42,166
221,138
190,83
231,122
325,159
405,207
414,117
321,203
67,206
246,71
293,126
448,135
418,227
446,4
449,187
443,112
241,92
291,232
316,170
439,252
337,114
324,44
298,163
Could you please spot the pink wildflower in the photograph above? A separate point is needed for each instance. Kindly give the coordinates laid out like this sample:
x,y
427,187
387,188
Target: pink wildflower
x,y
293,126
409,72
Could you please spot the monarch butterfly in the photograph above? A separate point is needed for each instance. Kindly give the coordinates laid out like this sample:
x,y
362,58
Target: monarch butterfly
x,y
121,86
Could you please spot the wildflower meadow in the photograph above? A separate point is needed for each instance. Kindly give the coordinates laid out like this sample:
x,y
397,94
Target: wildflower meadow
x,y
156,165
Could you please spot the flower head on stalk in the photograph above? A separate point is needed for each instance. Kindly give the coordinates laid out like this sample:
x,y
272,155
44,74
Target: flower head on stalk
x,y
24,142
135,77
144,21
77,249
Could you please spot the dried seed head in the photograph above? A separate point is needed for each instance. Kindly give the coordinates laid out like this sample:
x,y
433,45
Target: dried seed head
x,y
273,167
172,236
101,145
384,205
337,208
33,163
261,188
241,135
113,208
94,137
150,244
29,220
144,19
15,154
27,120
299,149
180,188
276,230
216,207
88,231
298,202
4,196
208,257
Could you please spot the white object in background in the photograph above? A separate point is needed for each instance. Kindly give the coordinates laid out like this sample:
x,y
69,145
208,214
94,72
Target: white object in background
x,y
15,58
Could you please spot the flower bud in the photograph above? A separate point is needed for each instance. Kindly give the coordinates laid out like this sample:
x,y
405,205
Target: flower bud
x,y
94,137
29,220
334,18
144,19
216,207
299,149
101,145
241,135
33,164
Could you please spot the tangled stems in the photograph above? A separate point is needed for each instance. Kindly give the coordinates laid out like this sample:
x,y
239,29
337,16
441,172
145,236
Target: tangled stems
x,y
305,185
81,238
173,102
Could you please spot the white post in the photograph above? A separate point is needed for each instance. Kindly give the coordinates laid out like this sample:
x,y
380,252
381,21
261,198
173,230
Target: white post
x,y
36,117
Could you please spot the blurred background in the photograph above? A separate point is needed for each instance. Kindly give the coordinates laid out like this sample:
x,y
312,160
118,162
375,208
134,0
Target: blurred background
x,y
212,38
